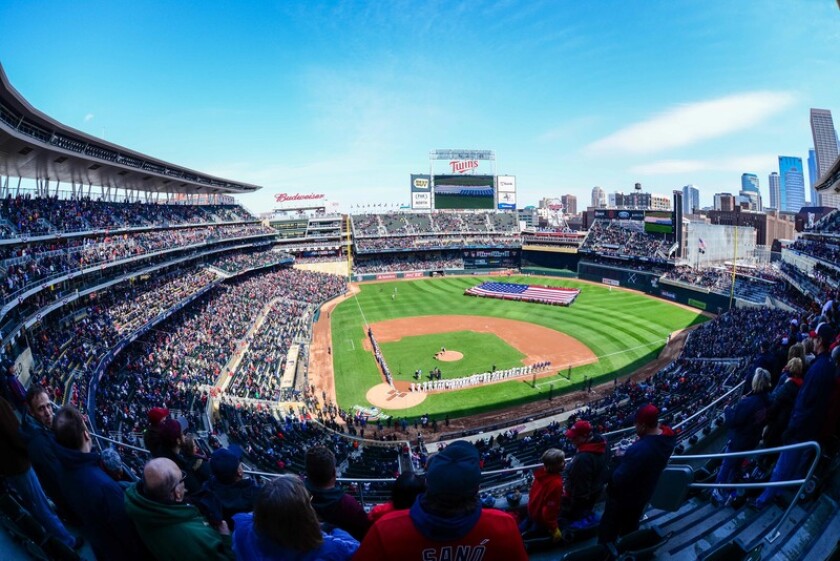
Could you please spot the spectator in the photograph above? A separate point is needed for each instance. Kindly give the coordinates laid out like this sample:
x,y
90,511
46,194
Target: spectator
x,y
171,446
546,496
112,464
745,421
587,475
151,437
170,528
809,413
633,481
16,468
285,527
234,492
96,499
331,503
781,402
405,491
447,518
36,428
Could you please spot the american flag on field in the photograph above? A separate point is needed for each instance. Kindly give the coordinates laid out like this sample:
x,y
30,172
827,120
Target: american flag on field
x,y
525,292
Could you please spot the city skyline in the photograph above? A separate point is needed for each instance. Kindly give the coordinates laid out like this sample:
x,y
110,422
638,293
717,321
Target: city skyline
x,y
348,98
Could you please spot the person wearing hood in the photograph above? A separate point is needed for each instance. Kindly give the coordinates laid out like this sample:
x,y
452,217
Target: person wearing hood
x,y
587,474
36,428
95,498
285,527
546,496
172,529
228,490
447,521
332,504
633,481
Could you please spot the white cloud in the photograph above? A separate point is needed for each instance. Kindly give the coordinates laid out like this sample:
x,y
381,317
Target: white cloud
x,y
88,117
694,122
739,164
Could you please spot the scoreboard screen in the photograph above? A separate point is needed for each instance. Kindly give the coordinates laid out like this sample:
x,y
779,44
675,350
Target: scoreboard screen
x,y
464,191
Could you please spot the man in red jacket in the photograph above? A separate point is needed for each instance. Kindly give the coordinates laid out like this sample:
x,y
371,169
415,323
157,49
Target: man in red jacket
x,y
447,521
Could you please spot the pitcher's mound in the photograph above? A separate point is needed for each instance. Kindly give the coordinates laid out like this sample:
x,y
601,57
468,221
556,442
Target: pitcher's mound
x,y
386,397
449,356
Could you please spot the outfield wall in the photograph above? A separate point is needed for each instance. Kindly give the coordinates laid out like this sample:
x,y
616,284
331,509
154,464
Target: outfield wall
x,y
424,274
650,283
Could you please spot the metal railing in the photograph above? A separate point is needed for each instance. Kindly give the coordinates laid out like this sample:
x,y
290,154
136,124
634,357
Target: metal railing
x,y
774,532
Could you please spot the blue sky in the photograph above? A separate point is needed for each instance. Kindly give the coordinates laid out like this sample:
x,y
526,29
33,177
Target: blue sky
x,y
347,98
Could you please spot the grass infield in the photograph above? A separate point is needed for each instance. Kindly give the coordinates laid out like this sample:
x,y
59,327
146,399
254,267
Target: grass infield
x,y
623,329
481,351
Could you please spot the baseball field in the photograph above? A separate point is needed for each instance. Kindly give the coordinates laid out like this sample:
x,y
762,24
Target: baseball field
x,y
602,335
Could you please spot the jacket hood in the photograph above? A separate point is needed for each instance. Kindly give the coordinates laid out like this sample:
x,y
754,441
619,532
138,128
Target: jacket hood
x,y
74,459
437,528
324,498
148,513
595,446
541,474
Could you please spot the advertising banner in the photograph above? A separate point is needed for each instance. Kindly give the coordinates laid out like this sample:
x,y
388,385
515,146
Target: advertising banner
x,y
421,191
386,276
507,184
619,214
507,201
421,201
413,275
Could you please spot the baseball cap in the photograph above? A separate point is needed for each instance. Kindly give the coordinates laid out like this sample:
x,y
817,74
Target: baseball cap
x,y
157,414
580,428
823,331
224,463
111,459
171,430
647,415
454,472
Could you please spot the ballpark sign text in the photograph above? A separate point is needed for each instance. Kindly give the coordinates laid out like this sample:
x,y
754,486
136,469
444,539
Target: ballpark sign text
x,y
463,166
285,197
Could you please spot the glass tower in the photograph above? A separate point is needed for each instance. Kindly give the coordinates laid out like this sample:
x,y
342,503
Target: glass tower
x,y
791,184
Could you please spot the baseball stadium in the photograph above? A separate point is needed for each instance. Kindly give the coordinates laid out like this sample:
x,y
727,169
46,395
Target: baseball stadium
x,y
173,363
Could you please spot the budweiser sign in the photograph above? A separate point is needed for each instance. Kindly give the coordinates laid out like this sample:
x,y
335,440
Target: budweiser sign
x,y
284,197
463,166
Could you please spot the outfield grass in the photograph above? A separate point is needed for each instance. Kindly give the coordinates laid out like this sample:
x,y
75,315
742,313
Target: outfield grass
x,y
624,330
481,351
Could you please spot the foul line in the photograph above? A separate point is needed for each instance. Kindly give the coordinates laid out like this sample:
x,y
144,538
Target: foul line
x,y
364,319
559,372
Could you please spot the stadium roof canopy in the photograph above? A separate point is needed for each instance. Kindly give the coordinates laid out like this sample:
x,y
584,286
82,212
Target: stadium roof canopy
x,y
35,146
831,179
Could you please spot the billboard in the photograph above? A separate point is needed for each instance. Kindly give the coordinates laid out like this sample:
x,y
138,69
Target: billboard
x,y
421,192
464,191
506,189
507,184
659,222
507,201
619,214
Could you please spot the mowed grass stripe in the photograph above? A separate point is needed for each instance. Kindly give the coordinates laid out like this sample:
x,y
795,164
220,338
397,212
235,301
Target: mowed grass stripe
x,y
626,329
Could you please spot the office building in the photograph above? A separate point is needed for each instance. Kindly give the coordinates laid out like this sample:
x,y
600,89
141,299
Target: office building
x,y
569,203
775,190
813,176
749,182
690,199
724,202
599,197
791,184
825,149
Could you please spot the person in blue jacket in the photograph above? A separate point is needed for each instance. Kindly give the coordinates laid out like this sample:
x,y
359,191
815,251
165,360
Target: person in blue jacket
x,y
285,527
745,421
93,496
633,481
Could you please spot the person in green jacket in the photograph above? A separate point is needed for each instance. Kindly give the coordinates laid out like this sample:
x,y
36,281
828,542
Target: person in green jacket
x,y
170,528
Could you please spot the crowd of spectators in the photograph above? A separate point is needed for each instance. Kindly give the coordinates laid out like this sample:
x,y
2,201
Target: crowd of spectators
x,y
193,348
819,247
244,261
35,216
23,266
407,262
737,330
621,238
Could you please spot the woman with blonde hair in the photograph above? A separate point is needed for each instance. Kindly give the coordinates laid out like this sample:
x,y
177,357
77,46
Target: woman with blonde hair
x,y
284,527
781,402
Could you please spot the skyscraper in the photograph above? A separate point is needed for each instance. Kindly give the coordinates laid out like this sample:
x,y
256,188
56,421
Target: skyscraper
x,y
791,184
775,191
749,182
690,199
813,176
599,198
825,146
569,203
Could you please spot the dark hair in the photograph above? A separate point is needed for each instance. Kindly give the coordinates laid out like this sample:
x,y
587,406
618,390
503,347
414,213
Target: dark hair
x,y
69,427
406,488
320,466
283,514
34,391
447,506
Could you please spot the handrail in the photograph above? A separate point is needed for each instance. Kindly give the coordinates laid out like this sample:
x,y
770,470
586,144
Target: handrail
x,y
774,532
737,386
